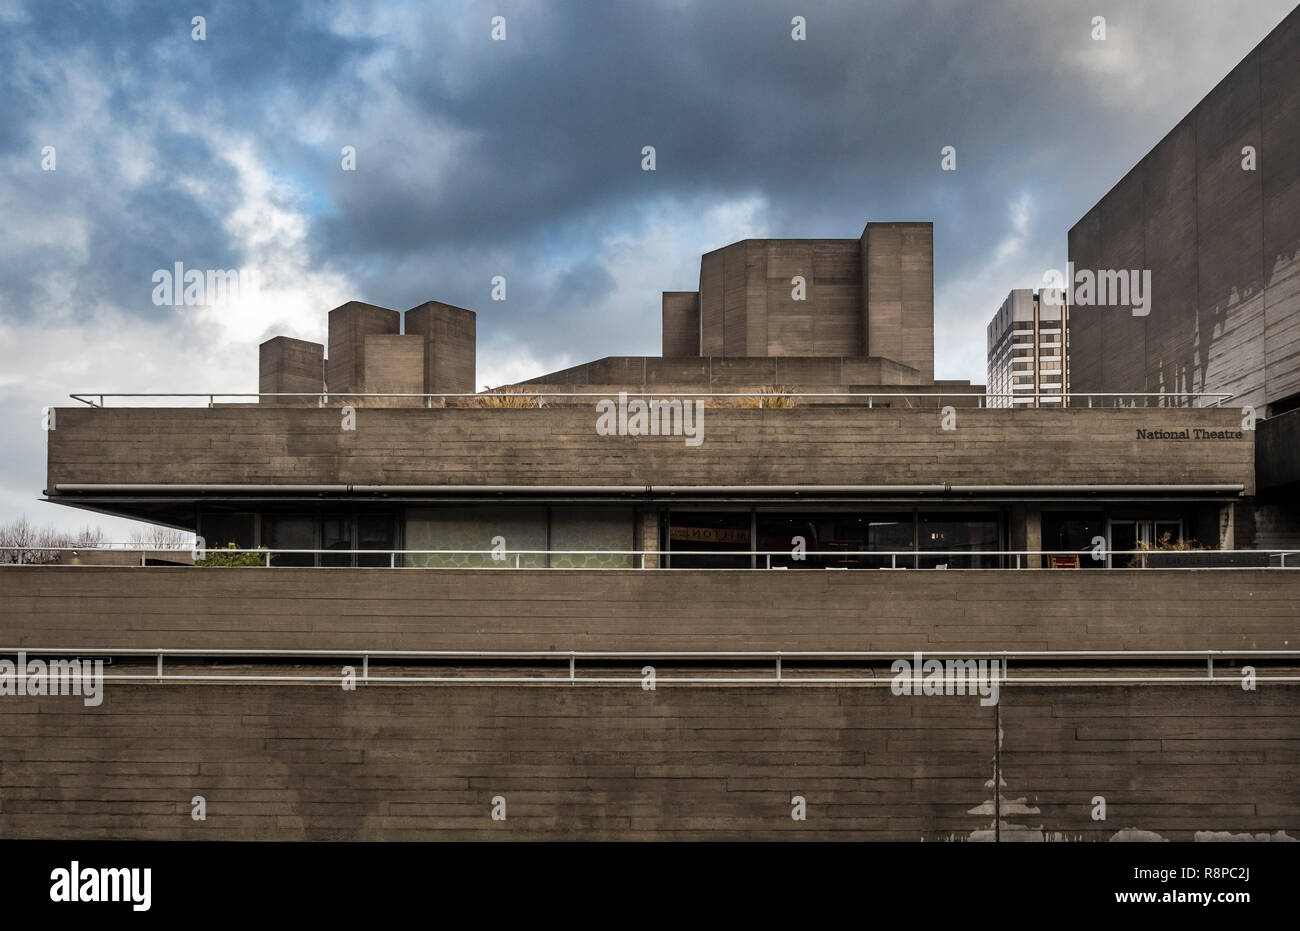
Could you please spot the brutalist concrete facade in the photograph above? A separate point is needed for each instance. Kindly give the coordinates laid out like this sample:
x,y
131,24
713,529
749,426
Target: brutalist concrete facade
x,y
369,354
1222,242
449,342
349,326
870,296
290,366
1213,211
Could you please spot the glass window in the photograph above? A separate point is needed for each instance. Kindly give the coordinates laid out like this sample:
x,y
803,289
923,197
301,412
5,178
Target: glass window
x,y
1166,532
336,534
1067,534
837,540
465,528
701,540
1127,535
219,529
836,535
376,532
291,532
960,538
589,533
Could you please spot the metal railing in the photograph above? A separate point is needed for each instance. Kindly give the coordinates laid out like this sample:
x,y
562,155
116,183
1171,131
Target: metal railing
x,y
760,559
568,671
1113,399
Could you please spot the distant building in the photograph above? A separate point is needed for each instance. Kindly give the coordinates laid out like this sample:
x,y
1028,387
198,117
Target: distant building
x,y
1028,352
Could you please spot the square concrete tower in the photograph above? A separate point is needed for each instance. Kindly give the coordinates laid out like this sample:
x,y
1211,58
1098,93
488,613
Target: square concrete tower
x,y
898,293
449,346
782,297
349,325
681,323
287,365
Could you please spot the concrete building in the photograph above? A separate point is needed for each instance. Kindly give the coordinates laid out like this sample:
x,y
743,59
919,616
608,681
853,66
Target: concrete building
x,y
369,354
1028,351
867,297
840,509
831,316
1213,213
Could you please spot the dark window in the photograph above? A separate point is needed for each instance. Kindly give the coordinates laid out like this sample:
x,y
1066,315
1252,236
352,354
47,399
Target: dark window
x,y
219,529
846,540
376,532
958,540
701,540
336,534
290,532
1289,403
1065,534
343,532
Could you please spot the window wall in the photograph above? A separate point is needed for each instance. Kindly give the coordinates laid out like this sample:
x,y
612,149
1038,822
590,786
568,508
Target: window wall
x,y
955,536
851,539
476,528
341,529
704,539
1071,536
957,541
838,538
591,533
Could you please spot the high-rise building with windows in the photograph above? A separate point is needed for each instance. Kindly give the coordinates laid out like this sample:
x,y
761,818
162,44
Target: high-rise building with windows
x,y
1029,363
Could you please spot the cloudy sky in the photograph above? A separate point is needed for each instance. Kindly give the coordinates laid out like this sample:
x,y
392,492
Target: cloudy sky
x,y
522,158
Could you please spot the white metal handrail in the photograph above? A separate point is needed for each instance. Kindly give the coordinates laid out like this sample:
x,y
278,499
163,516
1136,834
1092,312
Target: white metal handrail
x,y
344,652
781,676
503,555
1213,398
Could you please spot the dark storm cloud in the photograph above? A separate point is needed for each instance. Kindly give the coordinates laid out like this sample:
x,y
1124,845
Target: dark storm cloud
x,y
521,157
144,57
850,121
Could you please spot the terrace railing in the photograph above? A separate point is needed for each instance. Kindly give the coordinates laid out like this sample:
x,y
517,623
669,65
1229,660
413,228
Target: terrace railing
x,y
1110,399
788,668
827,560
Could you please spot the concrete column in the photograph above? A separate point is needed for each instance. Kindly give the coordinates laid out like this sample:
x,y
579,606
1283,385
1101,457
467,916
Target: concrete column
x,y
650,535
1026,533
1227,525
449,346
1033,536
349,325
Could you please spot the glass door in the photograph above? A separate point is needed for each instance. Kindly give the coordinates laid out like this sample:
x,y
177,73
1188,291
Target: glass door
x,y
343,532
1124,535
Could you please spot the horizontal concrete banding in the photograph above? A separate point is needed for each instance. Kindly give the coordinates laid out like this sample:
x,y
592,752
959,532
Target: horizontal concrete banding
x,y
814,447
631,610
671,764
